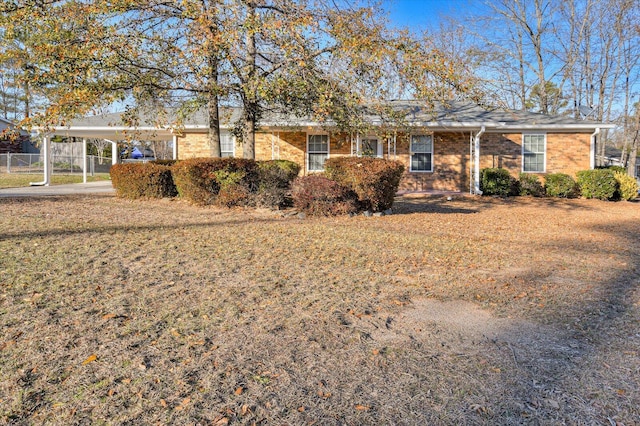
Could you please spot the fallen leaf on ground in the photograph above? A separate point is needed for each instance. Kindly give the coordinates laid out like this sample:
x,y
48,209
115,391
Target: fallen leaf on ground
x,y
90,359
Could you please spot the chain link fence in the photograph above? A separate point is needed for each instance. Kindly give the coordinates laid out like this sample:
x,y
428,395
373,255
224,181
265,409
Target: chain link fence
x,y
61,164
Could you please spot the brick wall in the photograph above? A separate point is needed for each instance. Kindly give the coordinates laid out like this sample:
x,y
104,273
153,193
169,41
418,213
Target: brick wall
x,y
566,153
196,145
450,163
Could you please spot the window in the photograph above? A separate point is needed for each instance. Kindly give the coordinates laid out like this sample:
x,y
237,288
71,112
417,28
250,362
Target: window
x,y
421,153
533,153
369,147
227,145
317,152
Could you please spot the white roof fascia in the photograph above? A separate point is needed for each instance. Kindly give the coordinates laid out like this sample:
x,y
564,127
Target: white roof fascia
x,y
547,127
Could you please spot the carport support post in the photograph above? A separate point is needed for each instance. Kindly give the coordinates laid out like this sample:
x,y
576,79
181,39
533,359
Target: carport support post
x,y
114,153
84,160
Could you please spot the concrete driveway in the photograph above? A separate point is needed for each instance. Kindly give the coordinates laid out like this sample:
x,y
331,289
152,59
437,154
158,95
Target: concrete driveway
x,y
100,187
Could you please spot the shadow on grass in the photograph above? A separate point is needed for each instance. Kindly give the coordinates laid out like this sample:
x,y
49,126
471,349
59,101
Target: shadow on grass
x,y
93,228
584,366
469,204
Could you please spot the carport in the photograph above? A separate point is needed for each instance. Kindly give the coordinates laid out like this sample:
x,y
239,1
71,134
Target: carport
x,y
107,127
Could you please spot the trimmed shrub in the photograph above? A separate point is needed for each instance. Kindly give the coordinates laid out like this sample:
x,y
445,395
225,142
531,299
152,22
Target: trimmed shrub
x,y
275,181
164,162
232,190
530,185
497,181
200,180
140,180
560,185
627,186
598,183
317,195
374,180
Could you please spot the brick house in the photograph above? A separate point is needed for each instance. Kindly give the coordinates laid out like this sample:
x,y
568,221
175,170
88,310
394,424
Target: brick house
x,y
443,148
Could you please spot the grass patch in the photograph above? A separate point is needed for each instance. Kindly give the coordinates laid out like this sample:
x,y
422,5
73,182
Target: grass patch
x,y
471,311
17,180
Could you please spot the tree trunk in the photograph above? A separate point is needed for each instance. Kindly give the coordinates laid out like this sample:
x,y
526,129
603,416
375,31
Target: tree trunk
x,y
249,141
250,97
213,136
536,39
633,155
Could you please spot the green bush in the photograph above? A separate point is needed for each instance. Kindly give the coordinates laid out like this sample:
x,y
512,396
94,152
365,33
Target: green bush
x,y
560,185
530,185
627,186
497,181
598,183
317,195
142,180
202,180
374,180
613,168
275,181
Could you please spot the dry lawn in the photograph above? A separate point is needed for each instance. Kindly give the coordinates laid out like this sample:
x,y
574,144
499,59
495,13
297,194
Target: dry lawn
x,y
471,311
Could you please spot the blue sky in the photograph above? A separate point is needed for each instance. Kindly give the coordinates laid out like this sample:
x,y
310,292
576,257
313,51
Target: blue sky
x,y
425,14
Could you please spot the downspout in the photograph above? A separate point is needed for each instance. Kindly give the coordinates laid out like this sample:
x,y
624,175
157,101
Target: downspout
x,y
84,160
476,159
46,146
592,151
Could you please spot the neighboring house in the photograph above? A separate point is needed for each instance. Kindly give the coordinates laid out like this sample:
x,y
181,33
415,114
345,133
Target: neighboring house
x,y
13,145
442,148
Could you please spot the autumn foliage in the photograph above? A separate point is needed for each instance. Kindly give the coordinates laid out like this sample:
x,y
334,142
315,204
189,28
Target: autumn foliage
x,y
374,180
318,195
138,180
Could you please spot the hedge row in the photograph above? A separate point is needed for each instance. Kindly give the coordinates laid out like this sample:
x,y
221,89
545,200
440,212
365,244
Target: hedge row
x,y
203,181
603,184
349,185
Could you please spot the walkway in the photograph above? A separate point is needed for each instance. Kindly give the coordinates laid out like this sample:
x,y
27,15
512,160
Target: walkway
x,y
100,187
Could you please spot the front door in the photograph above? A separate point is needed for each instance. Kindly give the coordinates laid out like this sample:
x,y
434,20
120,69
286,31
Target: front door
x,y
370,147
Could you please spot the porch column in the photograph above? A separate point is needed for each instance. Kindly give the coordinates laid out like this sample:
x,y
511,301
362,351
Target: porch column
x,y
476,161
84,160
592,148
